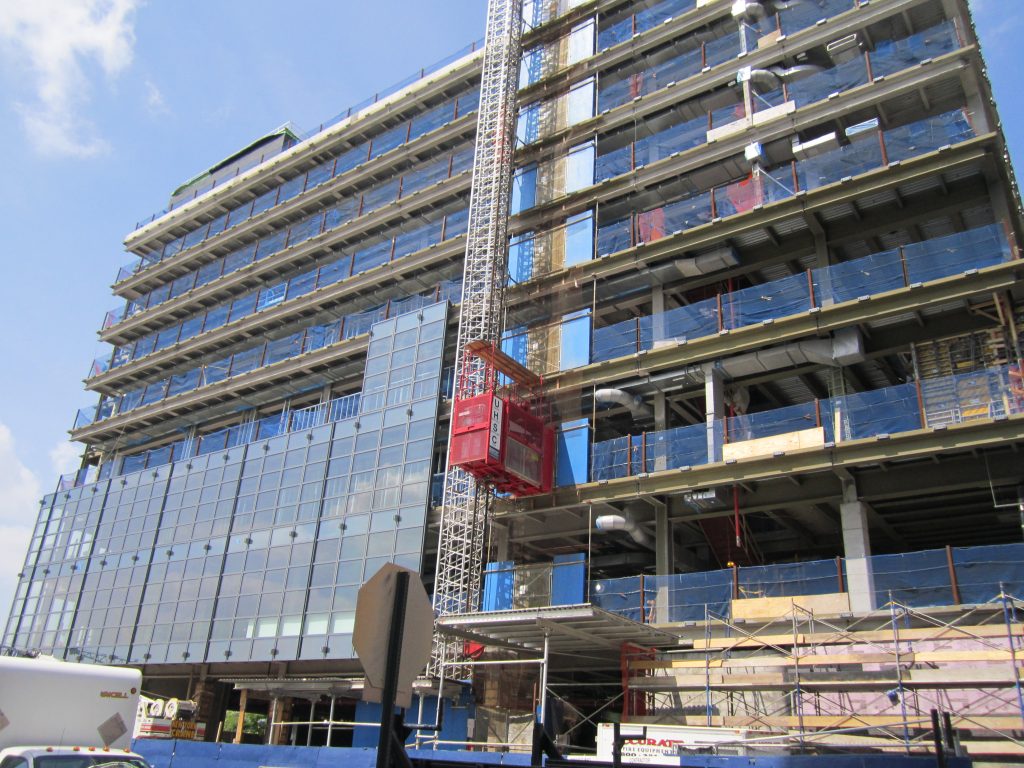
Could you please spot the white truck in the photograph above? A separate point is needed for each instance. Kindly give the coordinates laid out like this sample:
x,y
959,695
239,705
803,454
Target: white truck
x,y
56,714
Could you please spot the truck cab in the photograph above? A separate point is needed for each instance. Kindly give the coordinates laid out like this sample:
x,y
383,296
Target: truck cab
x,y
69,757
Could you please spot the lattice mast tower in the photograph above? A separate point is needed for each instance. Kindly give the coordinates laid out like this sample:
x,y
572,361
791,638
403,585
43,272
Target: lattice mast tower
x,y
466,503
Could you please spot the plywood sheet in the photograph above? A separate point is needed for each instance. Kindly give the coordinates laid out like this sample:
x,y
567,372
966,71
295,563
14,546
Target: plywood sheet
x,y
765,446
765,608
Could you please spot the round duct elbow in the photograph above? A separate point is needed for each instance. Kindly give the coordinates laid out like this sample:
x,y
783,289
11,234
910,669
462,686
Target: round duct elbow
x,y
633,403
626,524
764,78
748,10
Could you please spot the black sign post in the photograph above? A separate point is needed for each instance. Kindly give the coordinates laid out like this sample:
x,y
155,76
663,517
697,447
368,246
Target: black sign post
x,y
390,723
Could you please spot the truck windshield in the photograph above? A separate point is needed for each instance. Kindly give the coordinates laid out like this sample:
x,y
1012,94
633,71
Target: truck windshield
x,y
87,761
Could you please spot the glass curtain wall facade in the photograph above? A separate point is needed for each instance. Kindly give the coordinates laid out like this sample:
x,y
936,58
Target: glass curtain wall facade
x,y
250,553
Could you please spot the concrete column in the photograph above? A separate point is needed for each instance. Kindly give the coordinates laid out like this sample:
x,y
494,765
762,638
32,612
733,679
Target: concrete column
x,y
658,331
714,410
664,549
660,407
663,544
860,582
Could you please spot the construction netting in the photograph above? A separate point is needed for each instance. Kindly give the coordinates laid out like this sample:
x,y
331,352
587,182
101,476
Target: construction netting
x,y
891,56
796,16
876,273
966,575
868,148
943,400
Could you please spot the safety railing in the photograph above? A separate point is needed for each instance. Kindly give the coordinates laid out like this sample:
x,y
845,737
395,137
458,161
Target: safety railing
x,y
613,92
114,316
635,23
984,394
268,353
344,211
80,477
953,576
289,420
345,266
536,13
869,149
791,19
890,270
355,109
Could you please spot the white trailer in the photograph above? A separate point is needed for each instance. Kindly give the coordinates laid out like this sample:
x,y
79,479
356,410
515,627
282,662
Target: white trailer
x,y
52,709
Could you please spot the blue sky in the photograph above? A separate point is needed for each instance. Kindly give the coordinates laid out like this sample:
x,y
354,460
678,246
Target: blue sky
x,y
107,105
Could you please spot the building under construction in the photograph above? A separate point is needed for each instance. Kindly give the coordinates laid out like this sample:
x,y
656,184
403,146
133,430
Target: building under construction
x,y
674,342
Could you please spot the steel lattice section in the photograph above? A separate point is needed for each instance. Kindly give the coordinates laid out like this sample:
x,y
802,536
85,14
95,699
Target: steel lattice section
x,y
465,506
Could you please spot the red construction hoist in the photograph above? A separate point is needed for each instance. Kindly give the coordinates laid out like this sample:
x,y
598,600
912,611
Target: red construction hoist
x,y
503,437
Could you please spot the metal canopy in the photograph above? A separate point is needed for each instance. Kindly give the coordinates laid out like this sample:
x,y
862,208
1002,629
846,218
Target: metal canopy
x,y
297,687
570,629
313,687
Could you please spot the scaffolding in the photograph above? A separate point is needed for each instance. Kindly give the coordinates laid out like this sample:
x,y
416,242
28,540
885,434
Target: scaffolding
x,y
811,676
465,503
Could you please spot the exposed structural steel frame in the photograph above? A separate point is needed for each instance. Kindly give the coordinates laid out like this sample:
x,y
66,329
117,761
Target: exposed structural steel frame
x,y
465,505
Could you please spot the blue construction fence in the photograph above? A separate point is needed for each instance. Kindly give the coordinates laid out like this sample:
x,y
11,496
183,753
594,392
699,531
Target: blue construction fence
x,y
169,753
965,575
197,754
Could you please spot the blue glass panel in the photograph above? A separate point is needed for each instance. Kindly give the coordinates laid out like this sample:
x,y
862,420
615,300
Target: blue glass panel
x,y
264,202
614,236
184,382
371,257
945,256
891,56
524,189
320,174
380,196
410,242
674,448
271,296
797,16
216,317
309,227
927,135
301,284
281,349
291,188
271,244
245,361
209,272
334,271
520,258
574,333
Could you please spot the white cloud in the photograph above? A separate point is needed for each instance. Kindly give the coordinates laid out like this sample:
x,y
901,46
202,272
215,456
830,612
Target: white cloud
x,y
19,505
50,41
155,102
65,457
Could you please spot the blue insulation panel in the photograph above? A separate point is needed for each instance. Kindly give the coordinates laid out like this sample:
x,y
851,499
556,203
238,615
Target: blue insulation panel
x,y
573,455
499,578
568,579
